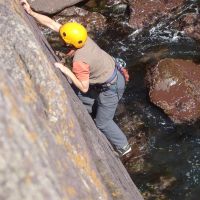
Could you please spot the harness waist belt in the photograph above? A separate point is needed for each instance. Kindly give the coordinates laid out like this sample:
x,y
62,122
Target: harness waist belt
x,y
113,76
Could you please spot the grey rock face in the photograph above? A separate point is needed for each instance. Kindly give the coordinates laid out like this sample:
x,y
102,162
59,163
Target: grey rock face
x,y
91,20
50,148
51,7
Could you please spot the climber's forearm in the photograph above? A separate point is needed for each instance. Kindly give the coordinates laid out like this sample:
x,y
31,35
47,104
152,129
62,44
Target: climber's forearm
x,y
46,21
43,19
83,86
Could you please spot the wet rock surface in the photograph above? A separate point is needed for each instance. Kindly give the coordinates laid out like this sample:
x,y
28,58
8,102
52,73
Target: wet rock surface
x,y
175,87
190,24
51,7
192,27
50,147
146,12
134,127
119,7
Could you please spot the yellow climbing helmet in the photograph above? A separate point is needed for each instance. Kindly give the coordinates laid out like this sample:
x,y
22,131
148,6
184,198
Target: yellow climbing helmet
x,y
74,33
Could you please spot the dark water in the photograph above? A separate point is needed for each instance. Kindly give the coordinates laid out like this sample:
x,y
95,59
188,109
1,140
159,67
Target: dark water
x,y
173,150
171,164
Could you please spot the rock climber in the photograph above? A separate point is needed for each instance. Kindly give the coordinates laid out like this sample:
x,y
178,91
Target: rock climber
x,y
99,79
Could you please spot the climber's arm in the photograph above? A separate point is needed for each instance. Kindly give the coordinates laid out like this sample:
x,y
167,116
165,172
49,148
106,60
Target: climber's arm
x,y
44,20
82,85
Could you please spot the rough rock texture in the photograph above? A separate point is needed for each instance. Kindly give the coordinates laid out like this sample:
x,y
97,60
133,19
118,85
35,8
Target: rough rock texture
x,y
119,7
175,87
49,146
147,12
91,20
191,25
51,7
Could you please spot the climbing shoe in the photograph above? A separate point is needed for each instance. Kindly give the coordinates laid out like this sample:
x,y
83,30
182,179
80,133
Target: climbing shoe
x,y
124,150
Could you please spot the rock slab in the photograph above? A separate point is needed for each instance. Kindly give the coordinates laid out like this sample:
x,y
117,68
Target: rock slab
x,y
175,87
50,148
191,25
147,12
51,7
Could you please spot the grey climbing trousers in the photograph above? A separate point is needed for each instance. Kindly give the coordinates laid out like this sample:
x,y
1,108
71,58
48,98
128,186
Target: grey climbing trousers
x,y
101,104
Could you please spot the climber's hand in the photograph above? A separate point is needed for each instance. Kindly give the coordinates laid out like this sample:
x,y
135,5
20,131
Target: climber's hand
x,y
26,6
60,66
126,74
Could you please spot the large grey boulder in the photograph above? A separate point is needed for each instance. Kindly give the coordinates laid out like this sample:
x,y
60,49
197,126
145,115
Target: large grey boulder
x,y
50,148
51,7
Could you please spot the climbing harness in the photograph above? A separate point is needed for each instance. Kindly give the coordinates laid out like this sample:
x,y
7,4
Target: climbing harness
x,y
120,63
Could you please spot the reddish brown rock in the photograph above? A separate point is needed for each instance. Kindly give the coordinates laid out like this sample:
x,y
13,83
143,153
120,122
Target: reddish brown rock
x,y
147,12
191,25
175,87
